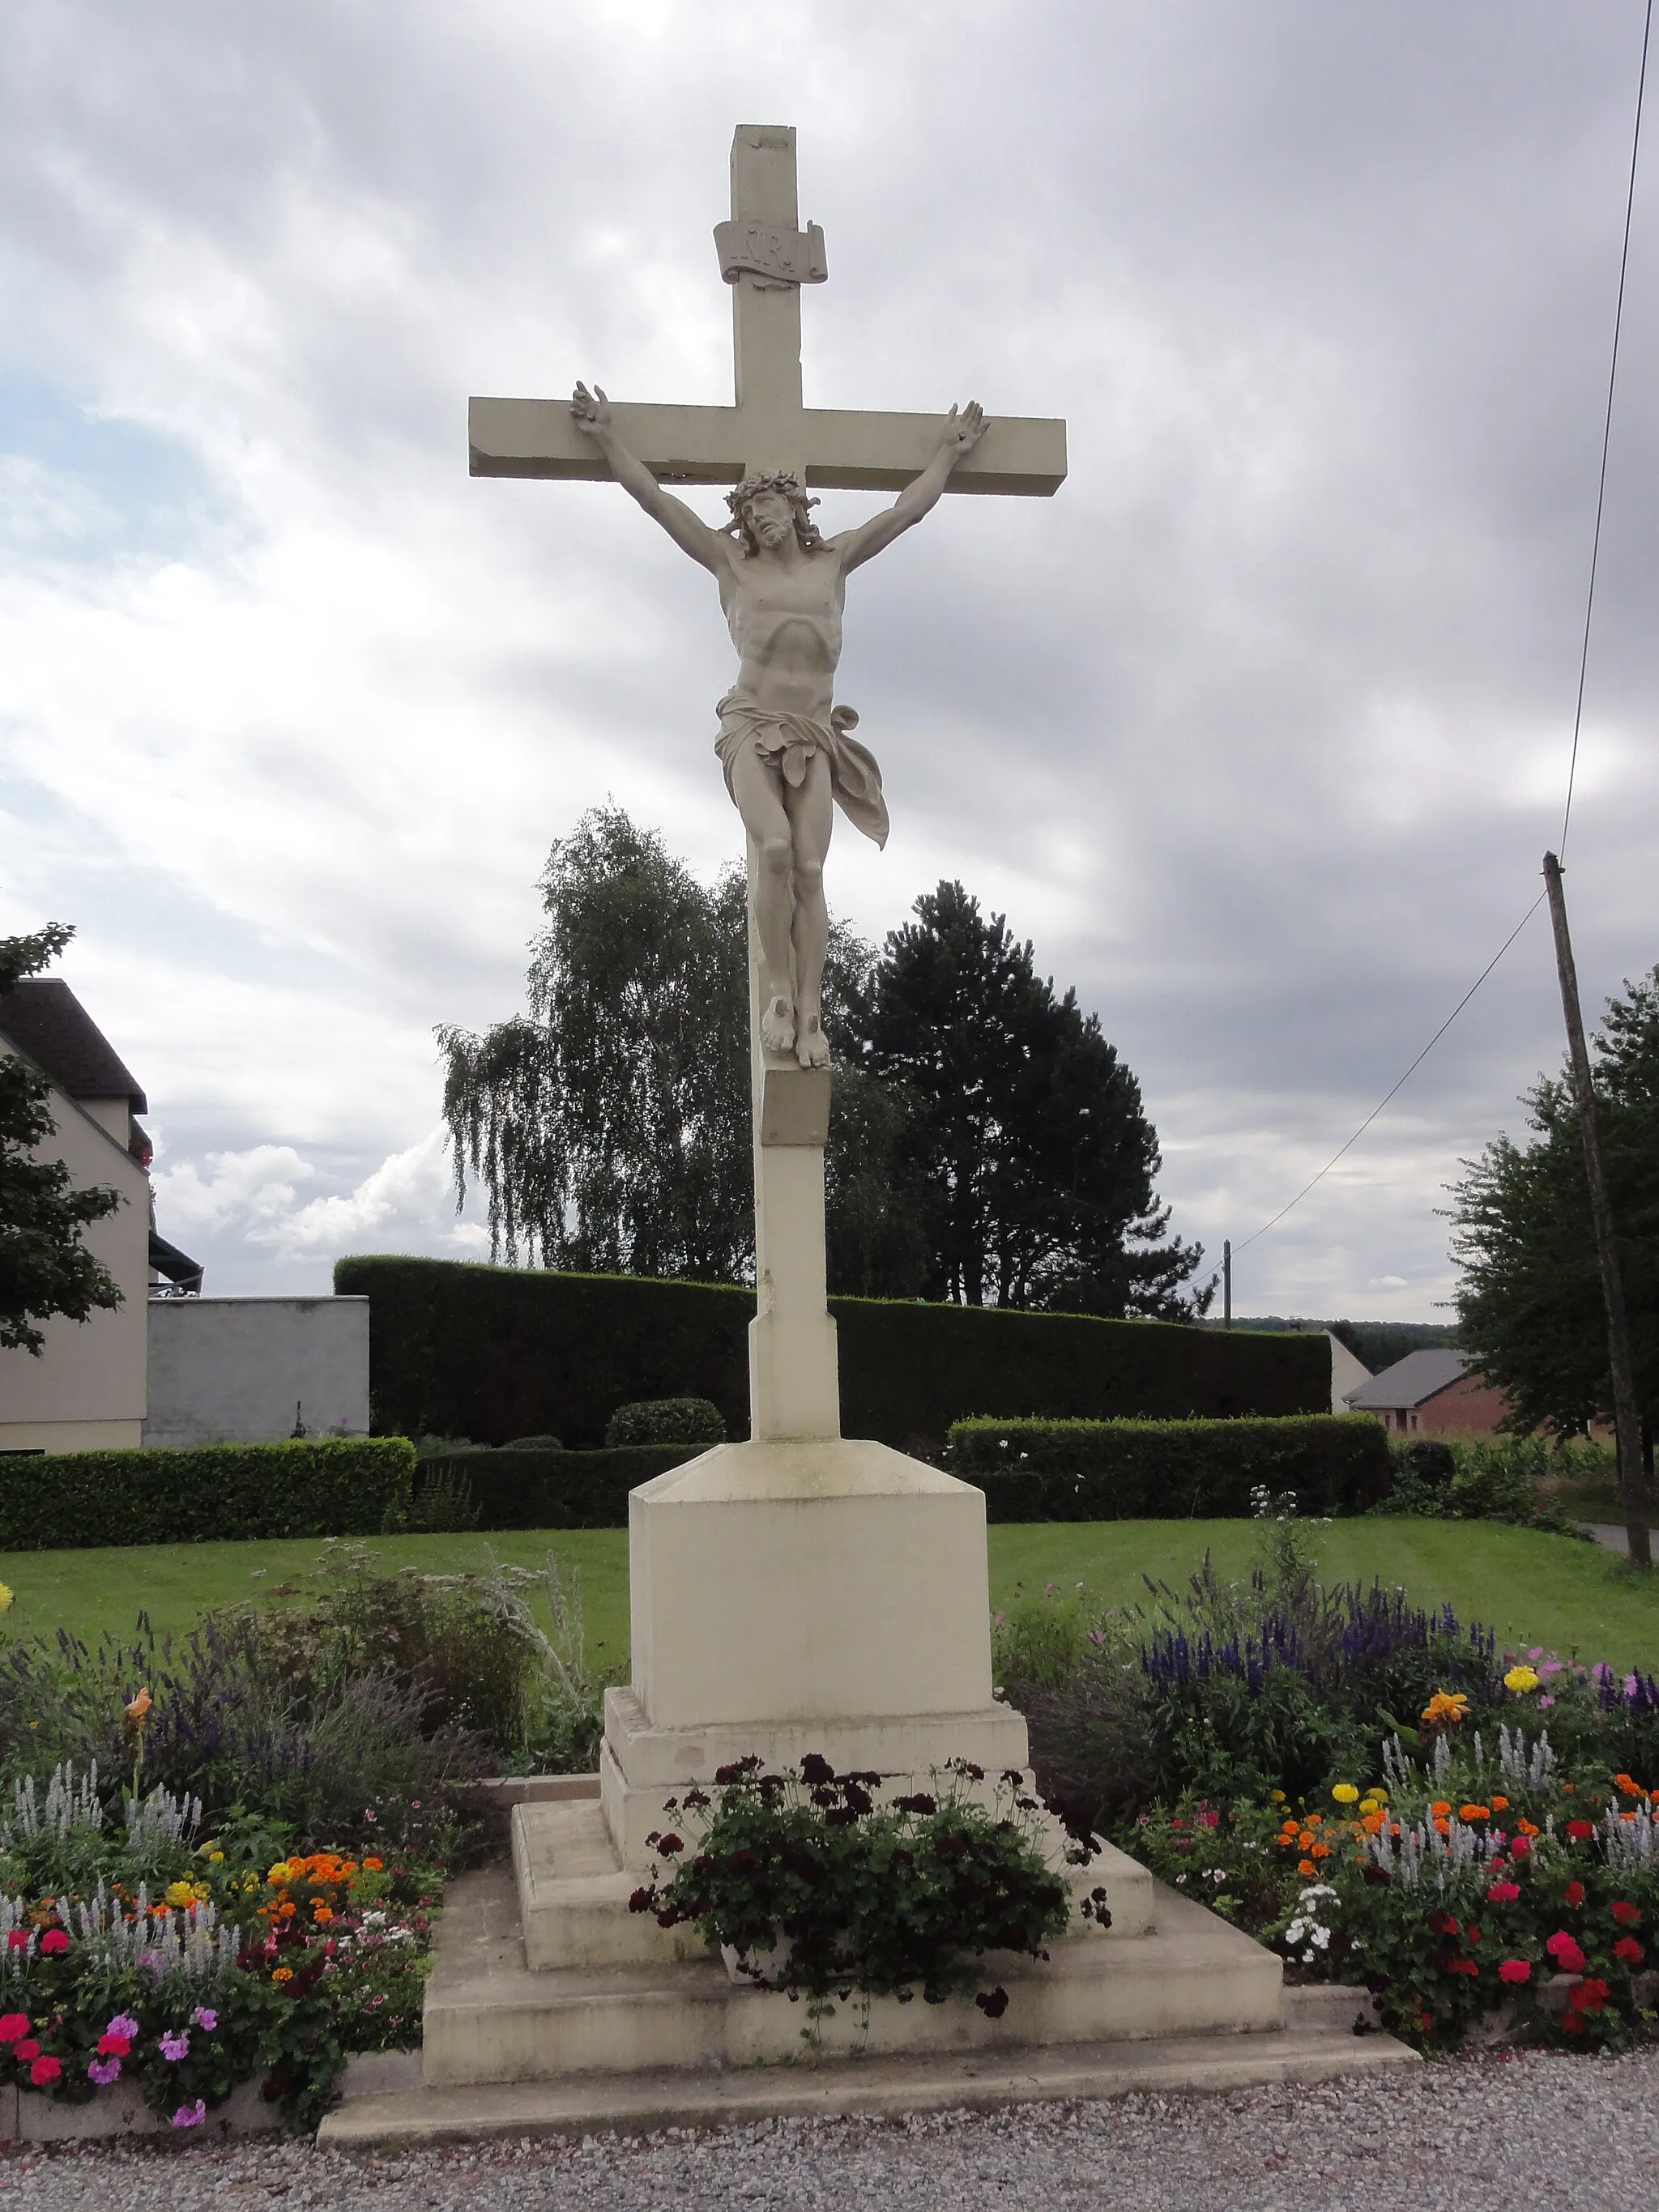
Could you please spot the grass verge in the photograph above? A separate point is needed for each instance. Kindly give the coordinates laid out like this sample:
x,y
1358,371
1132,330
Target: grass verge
x,y
1531,1589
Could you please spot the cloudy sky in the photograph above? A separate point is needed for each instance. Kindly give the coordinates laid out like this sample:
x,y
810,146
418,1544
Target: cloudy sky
x,y
1258,729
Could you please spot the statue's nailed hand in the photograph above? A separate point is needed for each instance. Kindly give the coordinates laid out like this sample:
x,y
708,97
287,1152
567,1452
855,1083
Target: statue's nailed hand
x,y
963,428
591,411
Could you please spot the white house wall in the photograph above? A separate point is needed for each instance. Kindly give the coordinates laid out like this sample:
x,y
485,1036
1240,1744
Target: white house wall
x,y
86,1391
233,1370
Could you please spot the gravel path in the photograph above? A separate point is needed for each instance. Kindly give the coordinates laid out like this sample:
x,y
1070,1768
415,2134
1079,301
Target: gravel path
x,y
1531,2130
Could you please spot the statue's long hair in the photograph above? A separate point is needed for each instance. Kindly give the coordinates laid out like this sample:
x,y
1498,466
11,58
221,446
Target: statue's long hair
x,y
808,536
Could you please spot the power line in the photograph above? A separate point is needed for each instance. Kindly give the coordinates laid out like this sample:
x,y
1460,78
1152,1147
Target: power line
x,y
1584,666
1606,429
1410,1072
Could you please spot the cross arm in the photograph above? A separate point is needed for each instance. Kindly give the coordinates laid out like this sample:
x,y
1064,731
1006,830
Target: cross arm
x,y
843,449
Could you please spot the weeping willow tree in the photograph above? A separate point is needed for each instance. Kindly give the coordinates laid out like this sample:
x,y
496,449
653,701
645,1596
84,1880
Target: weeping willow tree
x,y
609,1125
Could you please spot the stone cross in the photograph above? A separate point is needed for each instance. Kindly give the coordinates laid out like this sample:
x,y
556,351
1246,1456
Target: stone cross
x,y
766,258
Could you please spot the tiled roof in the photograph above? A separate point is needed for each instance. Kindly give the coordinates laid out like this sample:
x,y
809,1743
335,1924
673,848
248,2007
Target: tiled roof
x,y
1410,1381
44,1018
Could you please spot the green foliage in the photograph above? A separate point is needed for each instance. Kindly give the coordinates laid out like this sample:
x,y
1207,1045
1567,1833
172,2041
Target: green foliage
x,y
44,1267
665,1421
1529,1300
1484,1479
1040,1639
444,1503
456,1349
1128,1470
1221,1857
319,1486
822,1891
603,1126
1026,1156
513,1489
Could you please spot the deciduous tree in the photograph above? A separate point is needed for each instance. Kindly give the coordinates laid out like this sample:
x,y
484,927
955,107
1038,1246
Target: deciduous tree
x,y
46,1268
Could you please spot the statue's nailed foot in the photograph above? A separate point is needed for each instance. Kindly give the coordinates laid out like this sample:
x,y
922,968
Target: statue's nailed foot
x,y
778,1028
813,1047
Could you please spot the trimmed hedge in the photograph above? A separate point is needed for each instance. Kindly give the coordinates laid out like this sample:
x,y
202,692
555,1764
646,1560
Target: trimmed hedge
x,y
665,1421
458,1349
556,1489
204,1493
1170,1470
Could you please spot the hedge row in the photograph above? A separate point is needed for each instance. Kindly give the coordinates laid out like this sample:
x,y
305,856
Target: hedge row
x,y
204,1493
556,1489
1170,1470
461,1350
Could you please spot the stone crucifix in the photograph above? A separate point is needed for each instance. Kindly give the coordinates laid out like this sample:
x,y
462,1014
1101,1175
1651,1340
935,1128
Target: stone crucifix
x,y
786,747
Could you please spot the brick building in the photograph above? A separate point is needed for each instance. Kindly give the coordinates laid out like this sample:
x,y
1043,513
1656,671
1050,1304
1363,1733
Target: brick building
x,y
1431,1394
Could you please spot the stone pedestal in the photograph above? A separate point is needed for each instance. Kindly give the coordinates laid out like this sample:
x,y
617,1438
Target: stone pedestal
x,y
787,1597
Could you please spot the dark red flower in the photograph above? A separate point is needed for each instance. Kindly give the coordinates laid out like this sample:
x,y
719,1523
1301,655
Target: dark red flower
x,y
1462,1967
1442,1924
642,1900
992,2002
53,1940
1516,1970
1591,1994
815,1770
1629,1950
669,1844
1626,1915
1579,1832
1573,2021
1574,1893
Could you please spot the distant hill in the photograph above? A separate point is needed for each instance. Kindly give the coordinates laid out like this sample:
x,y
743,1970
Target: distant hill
x,y
1378,1343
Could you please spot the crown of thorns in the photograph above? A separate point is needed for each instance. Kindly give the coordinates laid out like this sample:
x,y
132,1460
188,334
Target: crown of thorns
x,y
769,480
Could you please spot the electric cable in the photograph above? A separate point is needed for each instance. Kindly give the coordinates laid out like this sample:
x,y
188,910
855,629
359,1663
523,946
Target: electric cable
x,y
1583,667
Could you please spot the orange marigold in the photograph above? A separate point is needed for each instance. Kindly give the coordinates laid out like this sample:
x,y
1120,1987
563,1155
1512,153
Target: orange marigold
x,y
1306,1866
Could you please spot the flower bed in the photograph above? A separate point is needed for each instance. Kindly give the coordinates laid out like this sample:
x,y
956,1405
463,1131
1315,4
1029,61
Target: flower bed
x,y
182,1968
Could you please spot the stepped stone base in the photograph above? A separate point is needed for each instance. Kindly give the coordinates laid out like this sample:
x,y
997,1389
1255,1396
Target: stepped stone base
x,y
551,2008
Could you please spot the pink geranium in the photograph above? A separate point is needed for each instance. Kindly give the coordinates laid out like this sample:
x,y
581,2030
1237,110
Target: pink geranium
x,y
1564,1949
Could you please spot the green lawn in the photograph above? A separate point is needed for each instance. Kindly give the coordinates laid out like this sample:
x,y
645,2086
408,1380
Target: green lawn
x,y
1531,1589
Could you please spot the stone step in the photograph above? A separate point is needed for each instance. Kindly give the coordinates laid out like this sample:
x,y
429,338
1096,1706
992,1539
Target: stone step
x,y
490,2018
573,1895
879,2088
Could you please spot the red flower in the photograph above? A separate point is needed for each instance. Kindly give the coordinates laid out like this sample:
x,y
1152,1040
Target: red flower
x,y
1591,1994
17,1940
114,2046
1442,1924
44,2070
1573,2021
1520,1846
1629,1950
1562,1947
1462,1967
1579,1832
12,2025
27,2049
1516,1970
1575,1893
1626,1915
1502,1892
53,1940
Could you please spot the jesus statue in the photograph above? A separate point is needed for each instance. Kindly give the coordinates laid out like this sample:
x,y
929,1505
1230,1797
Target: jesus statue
x,y
786,747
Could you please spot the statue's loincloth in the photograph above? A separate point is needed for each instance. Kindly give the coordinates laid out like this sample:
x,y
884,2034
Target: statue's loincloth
x,y
788,742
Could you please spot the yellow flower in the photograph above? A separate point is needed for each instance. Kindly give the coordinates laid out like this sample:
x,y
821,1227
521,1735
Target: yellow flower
x,y
1279,1796
181,1892
216,1858
1367,1807
1345,1793
280,1872
281,1974
139,1711
5,1598
1521,1679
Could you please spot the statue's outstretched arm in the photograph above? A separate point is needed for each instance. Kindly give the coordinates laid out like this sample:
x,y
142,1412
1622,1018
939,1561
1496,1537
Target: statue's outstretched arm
x,y
591,412
963,431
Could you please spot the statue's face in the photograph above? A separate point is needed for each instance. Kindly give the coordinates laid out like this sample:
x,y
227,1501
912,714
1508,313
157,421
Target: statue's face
x,y
771,518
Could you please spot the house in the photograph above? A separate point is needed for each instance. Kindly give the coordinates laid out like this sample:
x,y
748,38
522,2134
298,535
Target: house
x,y
86,1389
1431,1394
1348,1373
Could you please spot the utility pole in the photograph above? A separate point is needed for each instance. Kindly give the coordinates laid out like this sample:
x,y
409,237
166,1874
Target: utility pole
x,y
1226,1282
1628,1420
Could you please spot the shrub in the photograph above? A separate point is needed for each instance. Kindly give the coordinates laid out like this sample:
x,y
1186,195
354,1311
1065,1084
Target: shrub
x,y
665,1421
557,1489
494,1353
820,1890
533,1443
320,1487
443,1503
1485,1479
1123,1470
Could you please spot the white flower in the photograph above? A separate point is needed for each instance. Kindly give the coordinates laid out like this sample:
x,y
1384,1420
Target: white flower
x,y
1295,1931
1321,1937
